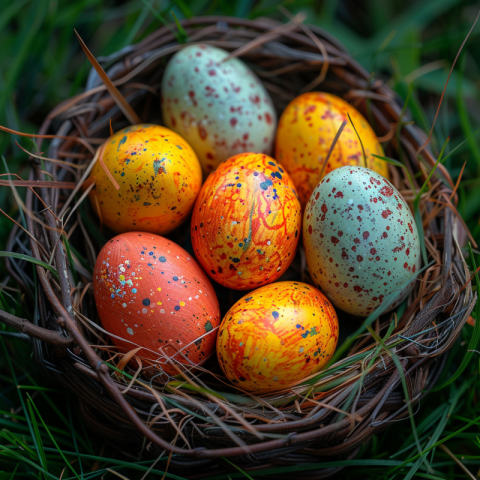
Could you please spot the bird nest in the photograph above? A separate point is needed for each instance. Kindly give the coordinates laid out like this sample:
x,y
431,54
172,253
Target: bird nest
x,y
382,368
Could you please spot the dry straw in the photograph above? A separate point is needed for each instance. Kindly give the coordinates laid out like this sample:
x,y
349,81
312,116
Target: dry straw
x,y
380,371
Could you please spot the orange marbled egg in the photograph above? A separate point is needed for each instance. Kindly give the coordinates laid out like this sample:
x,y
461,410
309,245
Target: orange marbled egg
x,y
306,131
159,177
151,293
246,222
276,336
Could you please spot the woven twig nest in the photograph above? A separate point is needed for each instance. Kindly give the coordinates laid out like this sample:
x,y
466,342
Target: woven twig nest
x,y
348,402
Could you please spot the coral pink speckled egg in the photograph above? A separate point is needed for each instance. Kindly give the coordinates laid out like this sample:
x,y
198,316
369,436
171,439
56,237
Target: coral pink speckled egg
x,y
246,222
219,106
361,242
159,177
276,336
152,293
306,131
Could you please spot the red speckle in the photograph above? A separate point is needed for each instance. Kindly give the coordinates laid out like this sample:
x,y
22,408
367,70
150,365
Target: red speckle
x,y
212,73
366,235
407,251
223,256
268,118
339,195
191,94
413,269
340,233
173,121
202,132
373,251
220,270
351,269
405,265
310,229
387,191
233,121
359,218
359,258
357,288
317,195
360,207
324,207
389,273
309,109
386,213
209,155
345,285
410,227
230,244
345,255
334,240
254,99
399,206
384,235
356,240
373,180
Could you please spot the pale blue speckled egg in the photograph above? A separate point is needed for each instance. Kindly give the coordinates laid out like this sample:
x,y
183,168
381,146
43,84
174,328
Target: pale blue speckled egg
x,y
361,241
219,106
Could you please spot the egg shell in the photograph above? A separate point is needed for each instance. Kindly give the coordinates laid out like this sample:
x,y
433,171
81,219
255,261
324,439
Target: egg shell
x,y
219,106
246,222
151,292
305,134
276,336
361,241
159,177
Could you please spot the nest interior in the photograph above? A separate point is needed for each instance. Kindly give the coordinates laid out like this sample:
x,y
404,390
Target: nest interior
x,y
328,416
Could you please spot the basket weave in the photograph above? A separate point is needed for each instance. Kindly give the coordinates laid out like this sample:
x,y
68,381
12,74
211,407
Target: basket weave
x,y
352,400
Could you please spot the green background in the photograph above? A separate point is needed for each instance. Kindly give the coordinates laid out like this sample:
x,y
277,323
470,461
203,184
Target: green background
x,y
410,44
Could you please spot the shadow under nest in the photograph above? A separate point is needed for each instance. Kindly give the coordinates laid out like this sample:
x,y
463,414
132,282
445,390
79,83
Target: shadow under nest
x,y
330,415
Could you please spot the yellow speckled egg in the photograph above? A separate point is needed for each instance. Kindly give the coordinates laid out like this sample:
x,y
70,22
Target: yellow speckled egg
x,y
276,336
306,131
159,177
219,106
246,222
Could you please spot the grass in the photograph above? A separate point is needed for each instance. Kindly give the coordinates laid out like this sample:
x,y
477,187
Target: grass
x,y
410,44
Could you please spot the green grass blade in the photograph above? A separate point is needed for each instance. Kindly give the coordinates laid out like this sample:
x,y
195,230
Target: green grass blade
x,y
52,438
28,258
246,475
36,431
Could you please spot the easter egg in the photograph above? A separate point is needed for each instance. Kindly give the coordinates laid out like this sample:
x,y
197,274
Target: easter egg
x,y
306,131
219,106
361,241
276,336
246,222
159,177
151,293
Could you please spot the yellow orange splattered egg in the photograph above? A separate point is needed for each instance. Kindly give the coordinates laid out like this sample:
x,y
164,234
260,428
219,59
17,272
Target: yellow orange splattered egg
x,y
276,336
246,222
306,132
151,293
159,177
